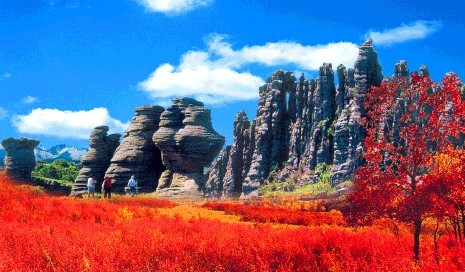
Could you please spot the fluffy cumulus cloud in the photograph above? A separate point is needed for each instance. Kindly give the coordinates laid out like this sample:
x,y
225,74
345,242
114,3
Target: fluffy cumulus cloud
x,y
3,113
209,84
173,6
216,75
29,100
66,124
407,32
306,57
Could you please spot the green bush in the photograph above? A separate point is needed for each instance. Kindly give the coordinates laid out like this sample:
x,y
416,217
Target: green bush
x,y
58,169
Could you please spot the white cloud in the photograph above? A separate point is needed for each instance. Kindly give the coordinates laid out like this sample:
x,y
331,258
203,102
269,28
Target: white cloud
x,y
173,6
5,76
203,82
407,32
215,75
66,124
307,57
29,100
3,113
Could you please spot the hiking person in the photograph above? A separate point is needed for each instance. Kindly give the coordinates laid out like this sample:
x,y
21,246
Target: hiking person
x,y
106,187
91,186
132,185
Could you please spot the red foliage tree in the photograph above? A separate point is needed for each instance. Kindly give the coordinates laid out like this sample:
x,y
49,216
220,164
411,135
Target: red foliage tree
x,y
408,123
448,191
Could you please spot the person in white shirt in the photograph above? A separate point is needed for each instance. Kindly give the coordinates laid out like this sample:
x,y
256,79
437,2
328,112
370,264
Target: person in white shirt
x,y
91,186
132,184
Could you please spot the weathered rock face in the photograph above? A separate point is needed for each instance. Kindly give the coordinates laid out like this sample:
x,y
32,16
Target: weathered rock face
x,y
233,163
137,155
271,134
319,124
97,159
348,132
319,147
188,143
20,158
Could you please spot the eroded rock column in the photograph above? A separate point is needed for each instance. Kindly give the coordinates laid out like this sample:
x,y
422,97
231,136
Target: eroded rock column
x,y
20,159
96,160
137,155
349,133
188,143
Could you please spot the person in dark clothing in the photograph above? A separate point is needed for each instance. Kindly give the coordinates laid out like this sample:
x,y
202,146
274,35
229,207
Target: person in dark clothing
x,y
106,187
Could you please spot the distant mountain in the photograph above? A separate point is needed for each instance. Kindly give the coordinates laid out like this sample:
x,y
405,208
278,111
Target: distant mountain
x,y
62,151
67,153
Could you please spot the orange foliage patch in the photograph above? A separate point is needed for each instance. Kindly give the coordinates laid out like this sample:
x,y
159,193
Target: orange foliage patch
x,y
279,215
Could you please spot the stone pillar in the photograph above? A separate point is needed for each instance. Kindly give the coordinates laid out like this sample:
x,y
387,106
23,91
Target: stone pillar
x,y
20,158
188,143
96,160
137,155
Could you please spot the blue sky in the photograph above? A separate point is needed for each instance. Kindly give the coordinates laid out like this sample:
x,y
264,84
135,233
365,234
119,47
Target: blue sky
x,y
67,66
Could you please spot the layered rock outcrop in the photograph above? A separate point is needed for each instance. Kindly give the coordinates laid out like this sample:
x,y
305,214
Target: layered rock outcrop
x,y
97,159
20,158
348,132
188,143
229,170
319,144
299,126
271,137
137,155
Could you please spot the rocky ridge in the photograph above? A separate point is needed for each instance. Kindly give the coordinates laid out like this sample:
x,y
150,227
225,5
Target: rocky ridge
x,y
166,150
299,126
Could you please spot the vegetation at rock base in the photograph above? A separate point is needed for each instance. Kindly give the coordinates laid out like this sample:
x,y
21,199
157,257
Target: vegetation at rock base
x,y
60,170
292,187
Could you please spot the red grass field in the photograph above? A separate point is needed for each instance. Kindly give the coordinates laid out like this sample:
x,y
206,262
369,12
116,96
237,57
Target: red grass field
x,y
44,233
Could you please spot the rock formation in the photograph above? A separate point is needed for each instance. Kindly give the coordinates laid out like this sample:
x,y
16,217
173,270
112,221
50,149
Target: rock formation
x,y
271,135
137,155
97,159
188,143
348,132
233,163
319,147
299,126
19,159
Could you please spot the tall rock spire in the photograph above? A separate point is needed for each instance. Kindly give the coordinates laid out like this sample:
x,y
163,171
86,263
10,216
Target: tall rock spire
x,y
271,148
349,134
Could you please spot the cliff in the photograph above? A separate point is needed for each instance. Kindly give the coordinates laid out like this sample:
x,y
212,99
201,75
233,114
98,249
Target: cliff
x,y
299,125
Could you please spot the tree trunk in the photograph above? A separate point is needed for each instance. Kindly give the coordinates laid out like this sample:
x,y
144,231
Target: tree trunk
x,y
416,239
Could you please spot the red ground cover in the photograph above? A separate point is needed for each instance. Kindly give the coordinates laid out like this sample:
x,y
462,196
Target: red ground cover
x,y
42,233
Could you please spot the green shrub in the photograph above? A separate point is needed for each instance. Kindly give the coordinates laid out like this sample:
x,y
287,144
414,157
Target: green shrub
x,y
58,169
